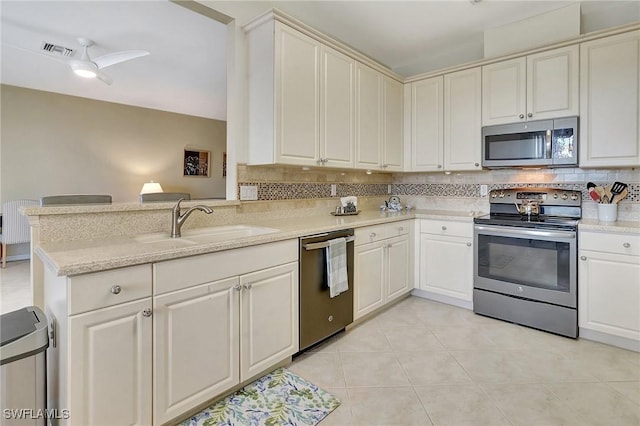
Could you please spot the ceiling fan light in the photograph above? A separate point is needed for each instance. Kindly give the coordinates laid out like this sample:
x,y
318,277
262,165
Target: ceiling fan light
x,y
84,69
85,73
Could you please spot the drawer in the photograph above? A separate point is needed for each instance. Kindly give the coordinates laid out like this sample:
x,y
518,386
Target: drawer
x,y
370,234
189,271
609,242
447,227
396,229
108,288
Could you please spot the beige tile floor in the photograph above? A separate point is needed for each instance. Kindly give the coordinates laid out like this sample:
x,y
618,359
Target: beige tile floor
x,y
15,287
427,363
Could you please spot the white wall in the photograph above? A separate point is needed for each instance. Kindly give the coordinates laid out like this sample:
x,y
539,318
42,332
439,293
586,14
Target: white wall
x,y
58,144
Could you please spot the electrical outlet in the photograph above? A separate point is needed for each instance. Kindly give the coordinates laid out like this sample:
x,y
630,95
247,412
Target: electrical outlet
x,y
483,190
333,190
248,193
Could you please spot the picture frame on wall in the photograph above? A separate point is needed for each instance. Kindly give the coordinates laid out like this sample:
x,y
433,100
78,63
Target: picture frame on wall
x,y
197,163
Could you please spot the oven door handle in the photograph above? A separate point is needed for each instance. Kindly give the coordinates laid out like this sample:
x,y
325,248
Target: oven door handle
x,y
527,232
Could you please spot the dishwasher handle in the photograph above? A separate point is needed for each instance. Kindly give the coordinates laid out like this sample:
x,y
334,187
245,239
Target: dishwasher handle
x,y
324,244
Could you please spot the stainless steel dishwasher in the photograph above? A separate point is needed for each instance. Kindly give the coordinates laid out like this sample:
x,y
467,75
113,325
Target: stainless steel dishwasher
x,y
320,315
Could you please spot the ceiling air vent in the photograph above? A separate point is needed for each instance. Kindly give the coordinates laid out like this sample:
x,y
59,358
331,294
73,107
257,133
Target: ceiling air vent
x,y
57,50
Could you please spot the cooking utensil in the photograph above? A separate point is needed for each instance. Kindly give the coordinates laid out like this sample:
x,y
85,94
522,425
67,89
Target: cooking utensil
x,y
620,196
590,185
607,191
617,188
594,195
600,191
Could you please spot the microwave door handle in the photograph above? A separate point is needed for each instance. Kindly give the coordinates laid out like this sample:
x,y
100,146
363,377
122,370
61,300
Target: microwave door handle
x,y
548,137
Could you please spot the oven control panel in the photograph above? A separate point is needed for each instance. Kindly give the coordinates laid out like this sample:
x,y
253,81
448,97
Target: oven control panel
x,y
547,196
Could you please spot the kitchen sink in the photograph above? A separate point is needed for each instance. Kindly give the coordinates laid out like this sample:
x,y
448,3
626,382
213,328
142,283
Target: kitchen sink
x,y
213,234
224,233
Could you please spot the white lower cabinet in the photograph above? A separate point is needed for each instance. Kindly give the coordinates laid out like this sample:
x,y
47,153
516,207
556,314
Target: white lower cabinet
x,y
446,261
193,362
109,365
609,287
127,351
382,261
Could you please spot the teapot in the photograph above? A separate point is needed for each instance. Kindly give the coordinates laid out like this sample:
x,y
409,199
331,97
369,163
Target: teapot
x,y
394,204
528,208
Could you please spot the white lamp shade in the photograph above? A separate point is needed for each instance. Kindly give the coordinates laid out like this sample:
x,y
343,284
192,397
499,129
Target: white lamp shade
x,y
151,188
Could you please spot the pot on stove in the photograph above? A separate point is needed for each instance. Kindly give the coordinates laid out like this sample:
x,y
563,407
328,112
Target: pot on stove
x,y
528,208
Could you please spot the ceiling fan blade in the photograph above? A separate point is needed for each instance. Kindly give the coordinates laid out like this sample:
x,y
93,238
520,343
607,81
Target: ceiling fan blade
x,y
117,57
104,78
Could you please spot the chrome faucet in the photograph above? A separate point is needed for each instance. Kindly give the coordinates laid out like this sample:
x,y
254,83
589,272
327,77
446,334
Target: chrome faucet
x,y
177,219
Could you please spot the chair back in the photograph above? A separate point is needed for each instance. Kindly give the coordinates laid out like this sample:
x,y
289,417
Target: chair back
x,y
15,226
164,196
75,199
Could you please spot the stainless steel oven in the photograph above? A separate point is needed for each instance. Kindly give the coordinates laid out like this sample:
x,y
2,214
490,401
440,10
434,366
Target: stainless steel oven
x,y
525,267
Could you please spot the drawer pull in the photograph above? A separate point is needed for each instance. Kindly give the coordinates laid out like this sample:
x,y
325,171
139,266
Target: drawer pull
x,y
444,228
468,244
372,235
147,312
116,289
583,257
237,287
247,286
626,245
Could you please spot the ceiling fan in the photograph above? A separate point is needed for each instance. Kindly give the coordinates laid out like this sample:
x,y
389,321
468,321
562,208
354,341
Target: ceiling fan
x,y
88,67
92,68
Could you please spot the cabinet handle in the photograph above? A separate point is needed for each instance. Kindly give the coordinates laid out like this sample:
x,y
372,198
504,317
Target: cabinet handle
x,y
583,257
439,166
384,166
626,245
116,289
468,244
521,116
237,287
530,115
247,286
476,164
389,246
372,235
146,312
444,228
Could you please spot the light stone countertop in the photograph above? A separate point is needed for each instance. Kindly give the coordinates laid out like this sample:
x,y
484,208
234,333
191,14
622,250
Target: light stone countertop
x,y
80,257
621,227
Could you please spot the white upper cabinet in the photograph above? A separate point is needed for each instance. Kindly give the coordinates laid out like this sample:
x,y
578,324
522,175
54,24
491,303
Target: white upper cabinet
x,y
337,108
392,142
463,120
609,103
536,87
368,117
427,135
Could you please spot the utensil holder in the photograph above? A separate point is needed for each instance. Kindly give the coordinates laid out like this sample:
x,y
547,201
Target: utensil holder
x,y
607,212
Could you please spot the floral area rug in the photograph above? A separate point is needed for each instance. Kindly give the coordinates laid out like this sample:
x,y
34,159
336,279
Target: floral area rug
x,y
279,398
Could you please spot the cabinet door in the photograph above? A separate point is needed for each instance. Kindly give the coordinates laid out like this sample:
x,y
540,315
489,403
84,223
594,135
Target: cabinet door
x,y
427,135
368,117
462,120
195,347
504,92
392,144
553,83
269,318
297,97
609,110
369,278
337,108
397,265
110,363
446,266
609,294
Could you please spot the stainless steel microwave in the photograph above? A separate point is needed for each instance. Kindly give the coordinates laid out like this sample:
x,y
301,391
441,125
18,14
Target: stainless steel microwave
x,y
543,143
